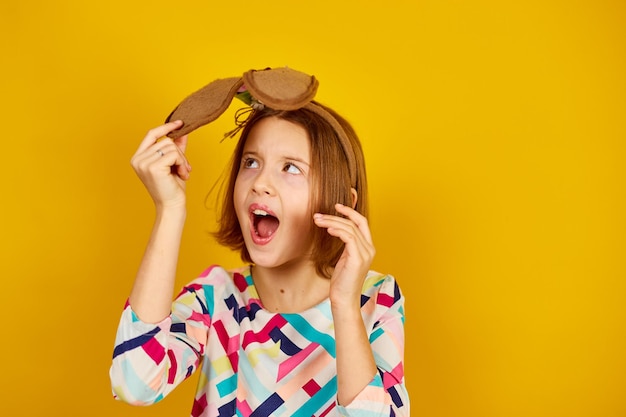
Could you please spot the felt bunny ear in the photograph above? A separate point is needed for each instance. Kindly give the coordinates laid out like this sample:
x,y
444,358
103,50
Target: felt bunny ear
x,y
281,88
277,88
204,106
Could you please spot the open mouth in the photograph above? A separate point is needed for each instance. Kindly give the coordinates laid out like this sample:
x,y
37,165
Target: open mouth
x,y
264,224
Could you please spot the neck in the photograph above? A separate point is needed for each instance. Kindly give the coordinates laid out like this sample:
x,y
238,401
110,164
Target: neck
x,y
290,288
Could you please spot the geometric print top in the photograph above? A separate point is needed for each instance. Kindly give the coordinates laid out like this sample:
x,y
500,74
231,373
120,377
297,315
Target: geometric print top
x,y
255,363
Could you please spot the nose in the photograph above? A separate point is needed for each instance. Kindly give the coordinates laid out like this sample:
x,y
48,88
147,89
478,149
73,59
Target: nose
x,y
263,183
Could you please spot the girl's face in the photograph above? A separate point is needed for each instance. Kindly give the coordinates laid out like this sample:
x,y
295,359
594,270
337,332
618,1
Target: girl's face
x,y
272,193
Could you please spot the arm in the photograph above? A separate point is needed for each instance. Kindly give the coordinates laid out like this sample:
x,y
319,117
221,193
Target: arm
x,y
163,168
376,384
384,316
141,355
150,360
352,347
346,282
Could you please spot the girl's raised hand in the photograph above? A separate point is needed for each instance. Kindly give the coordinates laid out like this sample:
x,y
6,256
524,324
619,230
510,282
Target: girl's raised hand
x,y
162,166
347,279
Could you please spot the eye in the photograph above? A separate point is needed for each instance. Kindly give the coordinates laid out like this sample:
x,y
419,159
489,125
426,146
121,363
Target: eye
x,y
292,169
250,163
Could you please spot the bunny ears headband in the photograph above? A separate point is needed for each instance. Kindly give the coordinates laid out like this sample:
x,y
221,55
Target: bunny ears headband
x,y
278,89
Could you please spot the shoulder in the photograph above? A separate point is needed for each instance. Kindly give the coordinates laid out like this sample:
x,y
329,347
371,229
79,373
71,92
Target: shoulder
x,y
381,297
383,286
218,282
215,289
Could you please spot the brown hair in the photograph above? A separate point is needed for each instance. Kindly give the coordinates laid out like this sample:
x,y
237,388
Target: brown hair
x,y
331,182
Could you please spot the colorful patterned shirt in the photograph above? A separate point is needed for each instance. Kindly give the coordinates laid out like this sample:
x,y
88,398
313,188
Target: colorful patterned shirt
x,y
255,363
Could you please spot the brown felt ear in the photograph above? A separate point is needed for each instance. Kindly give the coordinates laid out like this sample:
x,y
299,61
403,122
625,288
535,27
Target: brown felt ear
x,y
281,88
204,106
277,88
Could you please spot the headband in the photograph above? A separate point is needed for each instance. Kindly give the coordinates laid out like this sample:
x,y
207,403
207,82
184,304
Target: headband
x,y
278,89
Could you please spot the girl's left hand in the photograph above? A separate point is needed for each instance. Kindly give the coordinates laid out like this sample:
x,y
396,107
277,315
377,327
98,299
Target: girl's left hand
x,y
347,279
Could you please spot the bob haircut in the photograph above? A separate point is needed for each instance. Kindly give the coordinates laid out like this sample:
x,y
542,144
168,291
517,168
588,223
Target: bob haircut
x,y
330,182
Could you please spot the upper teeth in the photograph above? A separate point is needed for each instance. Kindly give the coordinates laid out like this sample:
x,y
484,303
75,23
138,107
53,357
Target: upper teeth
x,y
260,212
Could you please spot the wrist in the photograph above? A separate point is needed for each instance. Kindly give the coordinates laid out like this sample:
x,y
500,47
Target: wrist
x,y
174,214
345,299
346,309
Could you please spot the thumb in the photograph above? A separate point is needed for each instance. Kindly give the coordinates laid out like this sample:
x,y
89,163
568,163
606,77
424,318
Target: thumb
x,y
181,142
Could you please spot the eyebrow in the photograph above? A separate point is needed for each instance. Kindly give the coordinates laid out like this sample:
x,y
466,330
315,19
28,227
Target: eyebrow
x,y
302,161
285,157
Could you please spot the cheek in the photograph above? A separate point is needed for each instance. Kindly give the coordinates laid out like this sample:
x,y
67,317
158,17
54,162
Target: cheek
x,y
242,181
239,196
305,209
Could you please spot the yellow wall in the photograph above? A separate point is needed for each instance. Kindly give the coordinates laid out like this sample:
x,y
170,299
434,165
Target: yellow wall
x,y
495,137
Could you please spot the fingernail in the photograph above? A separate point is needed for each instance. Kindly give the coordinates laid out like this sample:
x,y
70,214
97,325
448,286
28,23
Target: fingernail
x,y
317,216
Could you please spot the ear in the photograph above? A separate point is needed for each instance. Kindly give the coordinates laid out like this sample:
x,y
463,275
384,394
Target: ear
x,y
205,105
355,197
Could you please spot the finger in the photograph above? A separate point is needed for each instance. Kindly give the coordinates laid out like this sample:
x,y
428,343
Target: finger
x,y
359,220
358,251
352,240
158,132
344,229
169,154
182,167
167,145
333,221
181,142
356,222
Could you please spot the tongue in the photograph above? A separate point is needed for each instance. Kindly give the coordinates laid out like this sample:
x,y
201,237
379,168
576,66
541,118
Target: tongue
x,y
266,226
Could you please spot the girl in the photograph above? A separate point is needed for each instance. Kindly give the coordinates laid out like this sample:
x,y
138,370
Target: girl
x,y
305,329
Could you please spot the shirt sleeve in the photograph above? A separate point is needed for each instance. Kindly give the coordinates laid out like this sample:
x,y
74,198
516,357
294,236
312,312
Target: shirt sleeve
x,y
150,360
386,394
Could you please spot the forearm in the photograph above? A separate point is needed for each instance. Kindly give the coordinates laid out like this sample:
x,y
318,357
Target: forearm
x,y
152,293
355,361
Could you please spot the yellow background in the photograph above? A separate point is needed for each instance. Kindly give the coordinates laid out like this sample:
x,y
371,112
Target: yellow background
x,y
494,133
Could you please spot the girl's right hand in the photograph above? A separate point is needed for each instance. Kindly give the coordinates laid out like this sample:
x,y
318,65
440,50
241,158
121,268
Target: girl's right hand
x,y
162,166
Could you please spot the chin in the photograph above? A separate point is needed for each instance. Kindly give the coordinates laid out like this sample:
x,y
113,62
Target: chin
x,y
263,258
271,261
267,261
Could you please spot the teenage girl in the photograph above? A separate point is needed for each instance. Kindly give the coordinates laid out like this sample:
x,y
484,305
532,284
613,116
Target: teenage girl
x,y
305,328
